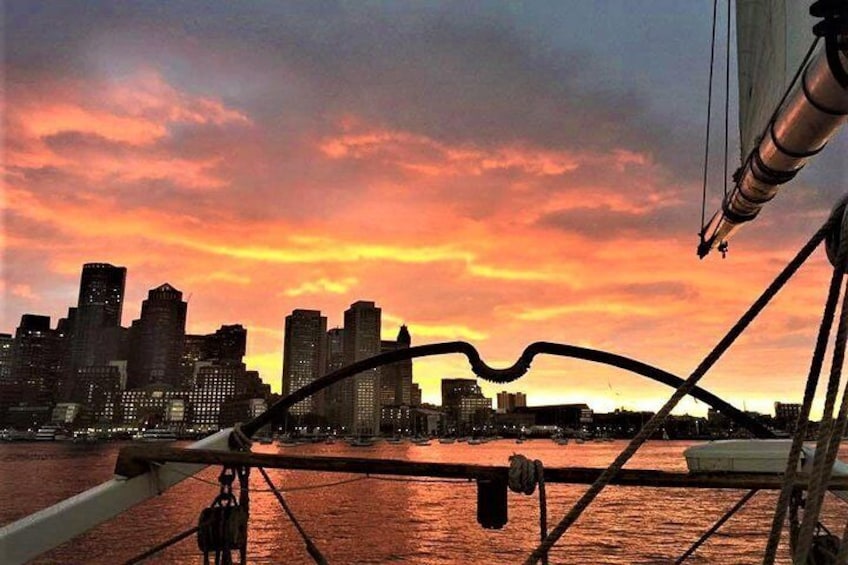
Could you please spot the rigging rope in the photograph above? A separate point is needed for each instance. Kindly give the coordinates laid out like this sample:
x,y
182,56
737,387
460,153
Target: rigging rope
x,y
842,554
165,544
715,527
825,450
659,418
726,94
268,490
709,114
828,442
311,548
524,475
803,418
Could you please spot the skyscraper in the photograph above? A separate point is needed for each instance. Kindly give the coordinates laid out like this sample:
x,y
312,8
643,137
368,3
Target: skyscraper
x,y
99,307
339,396
6,343
228,343
156,339
396,379
29,390
464,404
304,356
362,340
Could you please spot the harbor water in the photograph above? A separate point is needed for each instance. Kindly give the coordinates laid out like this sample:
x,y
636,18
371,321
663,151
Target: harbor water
x,y
395,520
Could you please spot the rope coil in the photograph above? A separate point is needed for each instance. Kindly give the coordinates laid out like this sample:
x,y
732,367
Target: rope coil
x,y
524,475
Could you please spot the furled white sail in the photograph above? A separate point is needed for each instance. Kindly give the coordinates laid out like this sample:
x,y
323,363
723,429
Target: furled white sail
x,y
772,37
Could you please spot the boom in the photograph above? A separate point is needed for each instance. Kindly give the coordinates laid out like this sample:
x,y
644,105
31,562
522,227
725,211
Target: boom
x,y
810,115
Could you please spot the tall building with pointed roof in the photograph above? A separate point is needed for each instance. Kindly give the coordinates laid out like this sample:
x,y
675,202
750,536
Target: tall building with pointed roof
x,y
396,379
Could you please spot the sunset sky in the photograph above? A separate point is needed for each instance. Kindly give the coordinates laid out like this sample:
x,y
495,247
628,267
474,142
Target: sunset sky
x,y
496,172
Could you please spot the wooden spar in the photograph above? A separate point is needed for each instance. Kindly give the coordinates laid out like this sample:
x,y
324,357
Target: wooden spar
x,y
134,458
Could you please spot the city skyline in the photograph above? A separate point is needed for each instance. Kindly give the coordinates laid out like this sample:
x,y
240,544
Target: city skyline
x,y
224,344
487,172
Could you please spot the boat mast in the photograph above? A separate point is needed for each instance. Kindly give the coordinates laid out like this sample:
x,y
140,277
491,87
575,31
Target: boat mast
x,y
809,116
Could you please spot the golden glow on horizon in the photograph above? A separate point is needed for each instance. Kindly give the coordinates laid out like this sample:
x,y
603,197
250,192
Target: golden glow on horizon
x,y
492,241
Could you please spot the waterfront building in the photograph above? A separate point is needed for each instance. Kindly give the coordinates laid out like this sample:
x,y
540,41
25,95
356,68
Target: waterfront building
x,y
99,306
216,381
339,395
28,393
153,406
99,389
621,423
253,386
65,332
508,401
428,421
240,409
361,341
304,357
565,416
396,419
464,405
156,339
415,395
6,343
228,343
786,415
194,350
396,379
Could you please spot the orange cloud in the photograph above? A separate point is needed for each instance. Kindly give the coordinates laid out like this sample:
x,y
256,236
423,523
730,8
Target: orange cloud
x,y
428,157
131,116
323,285
435,232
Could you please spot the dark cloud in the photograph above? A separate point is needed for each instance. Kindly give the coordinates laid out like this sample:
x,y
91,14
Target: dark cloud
x,y
604,223
455,72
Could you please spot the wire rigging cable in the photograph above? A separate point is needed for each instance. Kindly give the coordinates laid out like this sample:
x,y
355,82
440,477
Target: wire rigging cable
x,y
709,115
655,422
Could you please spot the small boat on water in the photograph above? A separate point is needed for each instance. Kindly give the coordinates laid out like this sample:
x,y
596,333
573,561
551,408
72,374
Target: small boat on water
x,y
361,442
395,440
12,434
51,433
475,441
447,440
157,435
561,440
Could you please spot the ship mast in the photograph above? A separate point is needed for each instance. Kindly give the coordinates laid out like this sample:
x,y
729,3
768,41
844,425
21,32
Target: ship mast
x,y
810,114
